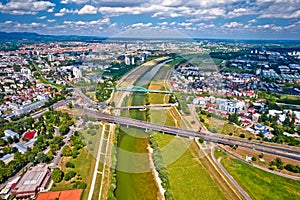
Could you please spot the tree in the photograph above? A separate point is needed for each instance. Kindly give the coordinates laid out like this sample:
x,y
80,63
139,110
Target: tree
x,y
64,129
70,165
2,142
69,175
41,157
70,105
57,175
253,158
80,185
261,155
234,118
242,135
261,134
201,140
66,151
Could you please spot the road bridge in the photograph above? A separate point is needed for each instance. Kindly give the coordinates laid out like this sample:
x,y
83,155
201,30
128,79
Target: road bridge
x,y
272,148
140,89
153,106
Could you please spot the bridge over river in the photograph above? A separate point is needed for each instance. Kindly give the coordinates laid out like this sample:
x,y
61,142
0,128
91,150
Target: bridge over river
x,y
275,149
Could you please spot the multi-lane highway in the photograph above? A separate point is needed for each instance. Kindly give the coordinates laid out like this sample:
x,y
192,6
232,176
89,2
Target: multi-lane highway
x,y
272,148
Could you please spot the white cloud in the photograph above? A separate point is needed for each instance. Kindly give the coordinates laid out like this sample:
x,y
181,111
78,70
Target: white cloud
x,y
64,11
185,24
42,17
232,25
51,20
87,9
240,12
252,21
20,7
139,25
104,21
74,1
50,10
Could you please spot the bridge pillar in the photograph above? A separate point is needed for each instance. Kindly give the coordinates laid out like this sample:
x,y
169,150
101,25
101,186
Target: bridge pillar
x,y
146,130
127,126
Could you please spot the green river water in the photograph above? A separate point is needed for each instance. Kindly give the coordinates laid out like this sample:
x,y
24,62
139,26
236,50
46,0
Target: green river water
x,y
134,177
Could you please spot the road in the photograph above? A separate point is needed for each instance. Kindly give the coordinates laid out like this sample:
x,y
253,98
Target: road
x,y
56,160
54,106
233,181
272,148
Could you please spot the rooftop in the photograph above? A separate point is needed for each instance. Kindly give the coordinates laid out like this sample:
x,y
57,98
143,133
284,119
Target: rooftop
x,y
61,195
33,179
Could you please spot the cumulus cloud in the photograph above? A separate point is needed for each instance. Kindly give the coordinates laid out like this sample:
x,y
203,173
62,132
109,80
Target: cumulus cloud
x,y
74,1
105,21
139,25
64,11
232,25
88,9
20,7
42,17
51,20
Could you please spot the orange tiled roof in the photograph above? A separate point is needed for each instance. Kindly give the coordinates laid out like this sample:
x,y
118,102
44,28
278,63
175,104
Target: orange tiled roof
x,y
61,195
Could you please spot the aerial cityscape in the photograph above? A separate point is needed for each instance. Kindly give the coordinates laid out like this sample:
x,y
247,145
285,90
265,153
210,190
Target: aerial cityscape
x,y
156,99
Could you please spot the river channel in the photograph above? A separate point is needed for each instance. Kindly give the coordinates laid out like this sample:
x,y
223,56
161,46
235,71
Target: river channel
x,y
134,177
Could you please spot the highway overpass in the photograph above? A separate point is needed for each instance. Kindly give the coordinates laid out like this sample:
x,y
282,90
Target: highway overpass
x,y
272,148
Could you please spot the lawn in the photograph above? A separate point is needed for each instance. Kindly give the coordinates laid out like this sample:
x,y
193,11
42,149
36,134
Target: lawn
x,y
222,126
189,179
84,167
258,183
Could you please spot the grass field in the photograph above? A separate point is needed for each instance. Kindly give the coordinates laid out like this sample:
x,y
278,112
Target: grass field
x,y
260,184
189,179
222,126
84,167
84,163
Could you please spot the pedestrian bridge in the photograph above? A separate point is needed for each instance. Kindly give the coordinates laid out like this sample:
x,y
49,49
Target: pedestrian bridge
x,y
140,89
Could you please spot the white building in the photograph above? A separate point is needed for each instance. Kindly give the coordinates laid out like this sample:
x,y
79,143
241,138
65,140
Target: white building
x,y
10,133
127,60
77,72
232,106
30,107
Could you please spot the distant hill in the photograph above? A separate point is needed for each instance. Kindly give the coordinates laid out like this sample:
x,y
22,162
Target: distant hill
x,y
17,36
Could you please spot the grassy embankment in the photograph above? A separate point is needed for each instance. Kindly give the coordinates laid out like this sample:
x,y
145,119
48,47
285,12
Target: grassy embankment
x,y
84,163
258,183
189,179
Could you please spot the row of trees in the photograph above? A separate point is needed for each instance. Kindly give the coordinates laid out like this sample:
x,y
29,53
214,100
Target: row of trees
x,y
113,172
278,164
161,168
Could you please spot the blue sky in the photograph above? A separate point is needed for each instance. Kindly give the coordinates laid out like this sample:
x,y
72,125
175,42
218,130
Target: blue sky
x,y
252,19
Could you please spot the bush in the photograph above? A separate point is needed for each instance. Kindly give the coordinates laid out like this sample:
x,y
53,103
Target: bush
x,y
69,175
253,158
70,165
79,185
201,140
292,168
242,135
57,175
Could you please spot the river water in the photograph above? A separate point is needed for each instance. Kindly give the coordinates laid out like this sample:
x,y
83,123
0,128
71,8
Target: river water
x,y
134,177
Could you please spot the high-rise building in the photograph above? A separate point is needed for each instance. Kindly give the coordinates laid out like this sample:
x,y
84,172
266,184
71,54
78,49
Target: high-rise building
x,y
127,60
